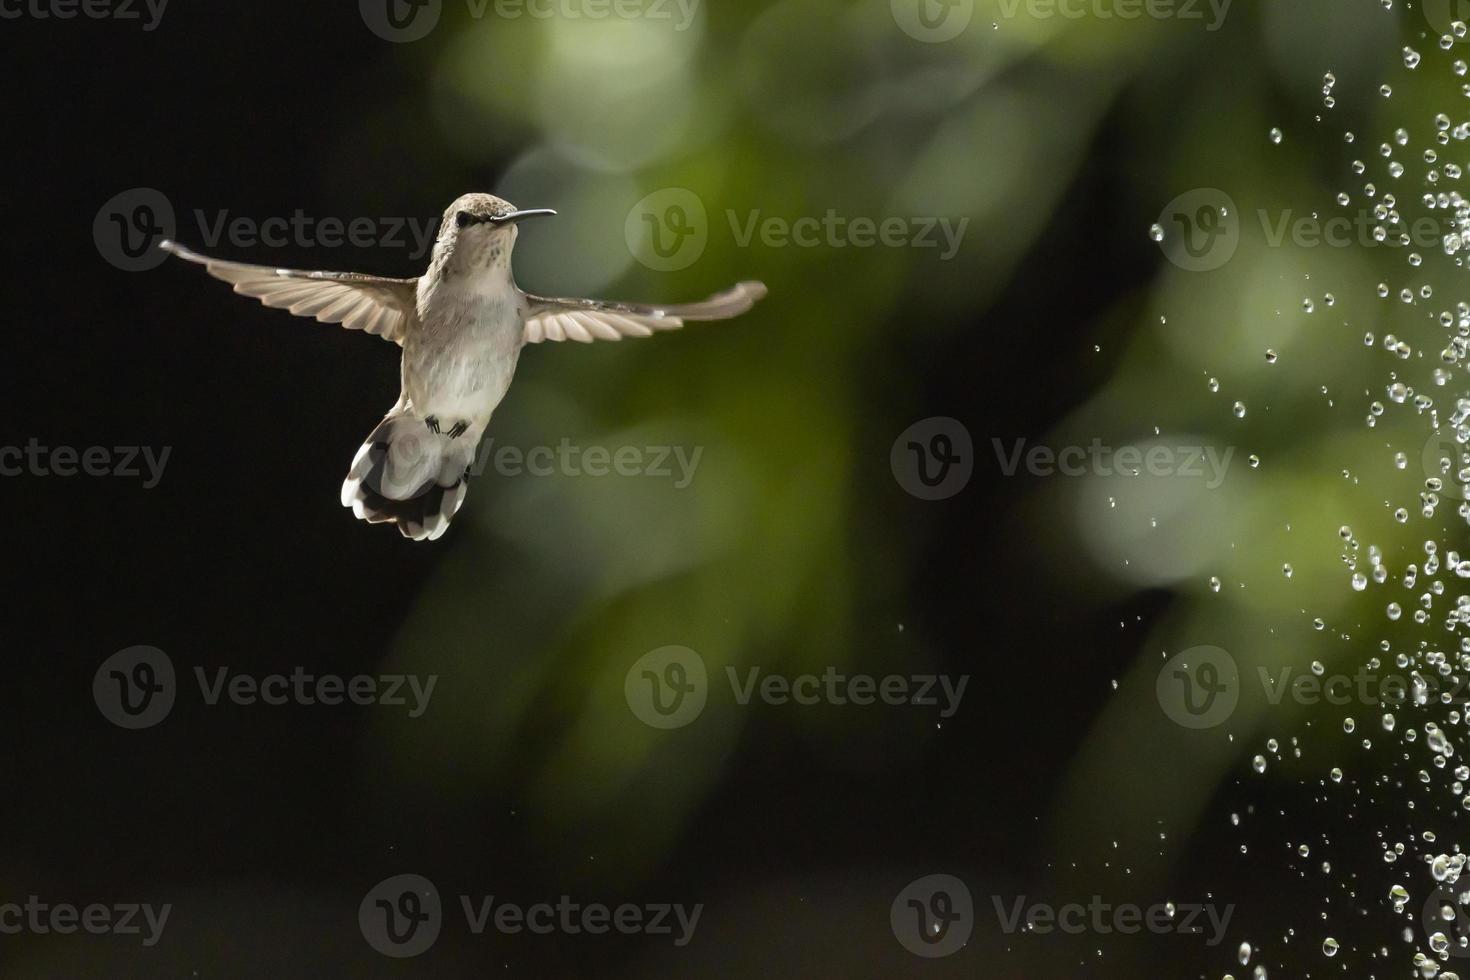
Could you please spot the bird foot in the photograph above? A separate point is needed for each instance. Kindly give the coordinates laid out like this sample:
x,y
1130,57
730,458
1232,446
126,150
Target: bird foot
x,y
458,430
433,424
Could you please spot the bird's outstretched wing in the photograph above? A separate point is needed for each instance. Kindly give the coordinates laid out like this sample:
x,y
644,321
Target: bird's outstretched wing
x,y
385,307
586,320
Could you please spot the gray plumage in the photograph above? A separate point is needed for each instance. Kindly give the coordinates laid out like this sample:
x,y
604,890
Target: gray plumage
x,y
462,326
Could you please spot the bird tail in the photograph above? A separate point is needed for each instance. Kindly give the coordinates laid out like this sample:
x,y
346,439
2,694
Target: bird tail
x,y
408,475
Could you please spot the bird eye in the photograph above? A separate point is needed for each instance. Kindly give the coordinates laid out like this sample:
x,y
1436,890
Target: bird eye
x,y
463,218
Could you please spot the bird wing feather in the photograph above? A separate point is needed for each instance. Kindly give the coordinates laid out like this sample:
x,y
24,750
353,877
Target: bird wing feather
x,y
372,304
586,320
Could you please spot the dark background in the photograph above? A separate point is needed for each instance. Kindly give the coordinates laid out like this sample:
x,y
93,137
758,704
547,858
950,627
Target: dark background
x,y
265,826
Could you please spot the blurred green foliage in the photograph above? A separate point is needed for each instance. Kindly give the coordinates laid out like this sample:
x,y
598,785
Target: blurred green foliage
x,y
799,106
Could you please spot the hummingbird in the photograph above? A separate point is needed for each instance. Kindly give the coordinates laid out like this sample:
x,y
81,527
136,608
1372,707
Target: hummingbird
x,y
462,326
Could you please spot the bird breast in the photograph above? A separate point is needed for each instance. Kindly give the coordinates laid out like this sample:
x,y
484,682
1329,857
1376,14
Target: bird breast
x,y
459,363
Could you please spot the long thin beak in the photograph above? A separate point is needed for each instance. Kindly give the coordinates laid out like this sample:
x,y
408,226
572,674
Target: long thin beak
x,y
515,216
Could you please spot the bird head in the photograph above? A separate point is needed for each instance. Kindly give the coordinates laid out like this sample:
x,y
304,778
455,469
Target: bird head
x,y
479,230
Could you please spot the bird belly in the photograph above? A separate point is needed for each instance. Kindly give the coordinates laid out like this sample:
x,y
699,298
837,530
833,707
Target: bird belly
x,y
466,386
460,369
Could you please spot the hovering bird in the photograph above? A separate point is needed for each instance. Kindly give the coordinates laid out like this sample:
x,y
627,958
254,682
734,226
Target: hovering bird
x,y
461,325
